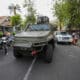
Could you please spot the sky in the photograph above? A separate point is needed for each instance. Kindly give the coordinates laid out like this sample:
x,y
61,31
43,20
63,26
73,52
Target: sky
x,y
43,7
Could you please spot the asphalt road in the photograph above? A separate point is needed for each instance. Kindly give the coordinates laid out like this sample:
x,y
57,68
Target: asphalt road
x,y
65,66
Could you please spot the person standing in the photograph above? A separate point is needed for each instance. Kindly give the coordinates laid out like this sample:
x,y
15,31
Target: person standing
x,y
75,38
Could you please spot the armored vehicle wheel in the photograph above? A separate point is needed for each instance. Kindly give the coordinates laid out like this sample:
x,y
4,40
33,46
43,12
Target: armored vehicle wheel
x,y
49,53
16,54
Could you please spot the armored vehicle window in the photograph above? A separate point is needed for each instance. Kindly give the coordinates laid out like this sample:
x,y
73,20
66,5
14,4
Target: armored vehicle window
x,y
40,27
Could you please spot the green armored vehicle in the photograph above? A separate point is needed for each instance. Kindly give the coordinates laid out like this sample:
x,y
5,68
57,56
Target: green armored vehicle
x,y
36,39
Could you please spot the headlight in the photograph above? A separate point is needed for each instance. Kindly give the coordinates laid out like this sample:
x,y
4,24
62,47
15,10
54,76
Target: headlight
x,y
60,38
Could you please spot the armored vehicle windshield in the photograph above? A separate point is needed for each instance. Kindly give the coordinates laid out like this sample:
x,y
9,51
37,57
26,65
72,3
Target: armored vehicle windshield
x,y
38,27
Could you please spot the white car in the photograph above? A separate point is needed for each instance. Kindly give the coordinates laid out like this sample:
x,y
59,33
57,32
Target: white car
x,y
63,36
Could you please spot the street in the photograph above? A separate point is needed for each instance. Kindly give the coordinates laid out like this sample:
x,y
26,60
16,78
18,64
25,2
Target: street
x,y
65,65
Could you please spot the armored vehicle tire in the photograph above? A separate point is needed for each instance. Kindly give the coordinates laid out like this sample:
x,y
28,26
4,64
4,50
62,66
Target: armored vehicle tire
x,y
16,54
49,53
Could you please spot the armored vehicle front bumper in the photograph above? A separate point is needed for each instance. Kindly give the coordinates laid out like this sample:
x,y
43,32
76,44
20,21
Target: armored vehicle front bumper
x,y
29,48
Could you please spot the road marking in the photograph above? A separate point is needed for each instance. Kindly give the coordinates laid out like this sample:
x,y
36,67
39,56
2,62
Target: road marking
x,y
72,56
29,70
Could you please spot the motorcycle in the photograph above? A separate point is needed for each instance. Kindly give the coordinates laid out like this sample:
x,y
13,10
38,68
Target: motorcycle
x,y
10,40
3,44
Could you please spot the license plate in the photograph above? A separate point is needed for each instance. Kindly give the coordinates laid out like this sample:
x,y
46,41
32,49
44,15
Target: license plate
x,y
65,38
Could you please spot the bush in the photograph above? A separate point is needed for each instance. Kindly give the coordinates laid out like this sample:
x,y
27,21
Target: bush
x,y
14,33
1,34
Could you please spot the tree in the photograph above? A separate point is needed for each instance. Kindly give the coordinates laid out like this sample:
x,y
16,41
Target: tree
x,y
30,18
69,13
16,20
13,8
62,13
74,11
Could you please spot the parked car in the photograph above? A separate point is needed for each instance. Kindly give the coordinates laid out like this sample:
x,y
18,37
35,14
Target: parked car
x,y
36,39
63,36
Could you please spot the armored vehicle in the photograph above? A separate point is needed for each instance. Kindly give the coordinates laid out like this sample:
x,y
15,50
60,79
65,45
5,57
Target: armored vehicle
x,y
34,40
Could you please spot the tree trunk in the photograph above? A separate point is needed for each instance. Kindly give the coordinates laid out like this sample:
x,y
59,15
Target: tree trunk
x,y
14,11
60,26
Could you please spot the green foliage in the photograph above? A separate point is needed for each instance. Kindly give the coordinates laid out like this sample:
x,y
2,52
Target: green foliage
x,y
68,12
16,20
30,18
61,11
74,11
1,33
23,24
14,33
